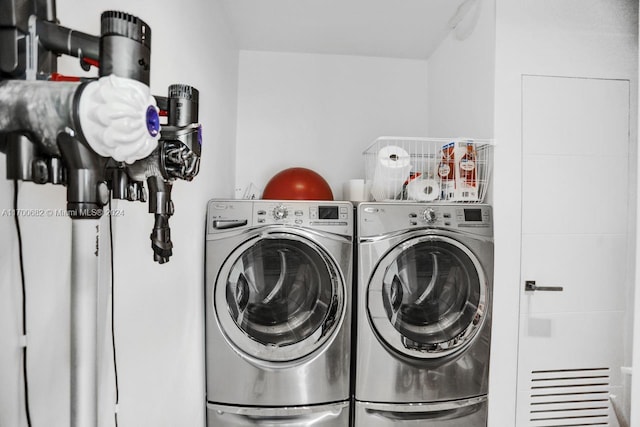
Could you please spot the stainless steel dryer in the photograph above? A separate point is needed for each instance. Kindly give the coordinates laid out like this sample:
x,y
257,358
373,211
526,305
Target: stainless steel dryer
x,y
278,304
425,276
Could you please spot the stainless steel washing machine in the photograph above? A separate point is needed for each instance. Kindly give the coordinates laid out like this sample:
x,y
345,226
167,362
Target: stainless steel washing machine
x,y
278,313
425,274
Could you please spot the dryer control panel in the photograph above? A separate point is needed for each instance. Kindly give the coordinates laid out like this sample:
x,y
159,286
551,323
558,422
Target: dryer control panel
x,y
332,216
382,218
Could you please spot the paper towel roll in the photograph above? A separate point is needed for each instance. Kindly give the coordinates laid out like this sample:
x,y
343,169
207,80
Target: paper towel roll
x,y
393,157
354,191
392,170
423,190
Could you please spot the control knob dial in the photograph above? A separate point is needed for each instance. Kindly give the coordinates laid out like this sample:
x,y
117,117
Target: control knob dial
x,y
429,215
280,212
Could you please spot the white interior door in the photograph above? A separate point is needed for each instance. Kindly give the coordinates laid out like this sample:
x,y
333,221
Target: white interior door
x,y
575,136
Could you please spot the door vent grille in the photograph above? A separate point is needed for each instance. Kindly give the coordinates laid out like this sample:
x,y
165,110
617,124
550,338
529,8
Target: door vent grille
x,y
569,397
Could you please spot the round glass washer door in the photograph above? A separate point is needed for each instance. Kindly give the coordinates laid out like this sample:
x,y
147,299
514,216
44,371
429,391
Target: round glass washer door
x,y
279,298
427,297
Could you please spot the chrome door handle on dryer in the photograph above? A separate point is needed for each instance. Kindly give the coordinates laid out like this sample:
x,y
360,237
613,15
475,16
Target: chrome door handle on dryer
x,y
530,285
223,224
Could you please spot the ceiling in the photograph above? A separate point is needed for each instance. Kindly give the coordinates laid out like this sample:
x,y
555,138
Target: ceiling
x,y
386,28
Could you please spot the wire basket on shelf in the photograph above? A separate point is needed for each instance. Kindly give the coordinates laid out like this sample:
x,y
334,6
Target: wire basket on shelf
x,y
428,169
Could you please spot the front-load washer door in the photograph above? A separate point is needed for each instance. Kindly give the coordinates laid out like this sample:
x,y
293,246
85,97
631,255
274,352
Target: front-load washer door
x,y
427,297
279,297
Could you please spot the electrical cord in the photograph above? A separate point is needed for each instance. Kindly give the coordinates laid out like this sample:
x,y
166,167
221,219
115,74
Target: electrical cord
x,y
24,303
24,307
113,331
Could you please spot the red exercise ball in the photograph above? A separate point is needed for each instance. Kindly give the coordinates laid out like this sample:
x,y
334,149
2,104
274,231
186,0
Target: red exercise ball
x,y
297,184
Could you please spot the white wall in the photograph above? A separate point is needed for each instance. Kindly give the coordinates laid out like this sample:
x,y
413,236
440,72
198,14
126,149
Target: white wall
x,y
159,309
635,362
321,112
461,78
594,38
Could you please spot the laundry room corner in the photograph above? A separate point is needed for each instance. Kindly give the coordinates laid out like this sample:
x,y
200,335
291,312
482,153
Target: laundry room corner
x,y
483,270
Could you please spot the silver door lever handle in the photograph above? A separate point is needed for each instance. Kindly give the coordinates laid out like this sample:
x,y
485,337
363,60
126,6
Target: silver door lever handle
x,y
530,285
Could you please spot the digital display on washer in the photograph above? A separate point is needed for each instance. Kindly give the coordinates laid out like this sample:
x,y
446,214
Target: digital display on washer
x,y
473,215
327,212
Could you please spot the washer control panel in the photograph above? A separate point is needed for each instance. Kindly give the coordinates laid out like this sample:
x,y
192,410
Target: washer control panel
x,y
303,213
382,218
227,215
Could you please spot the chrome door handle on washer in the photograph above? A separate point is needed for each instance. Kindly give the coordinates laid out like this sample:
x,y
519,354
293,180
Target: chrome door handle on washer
x,y
530,285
